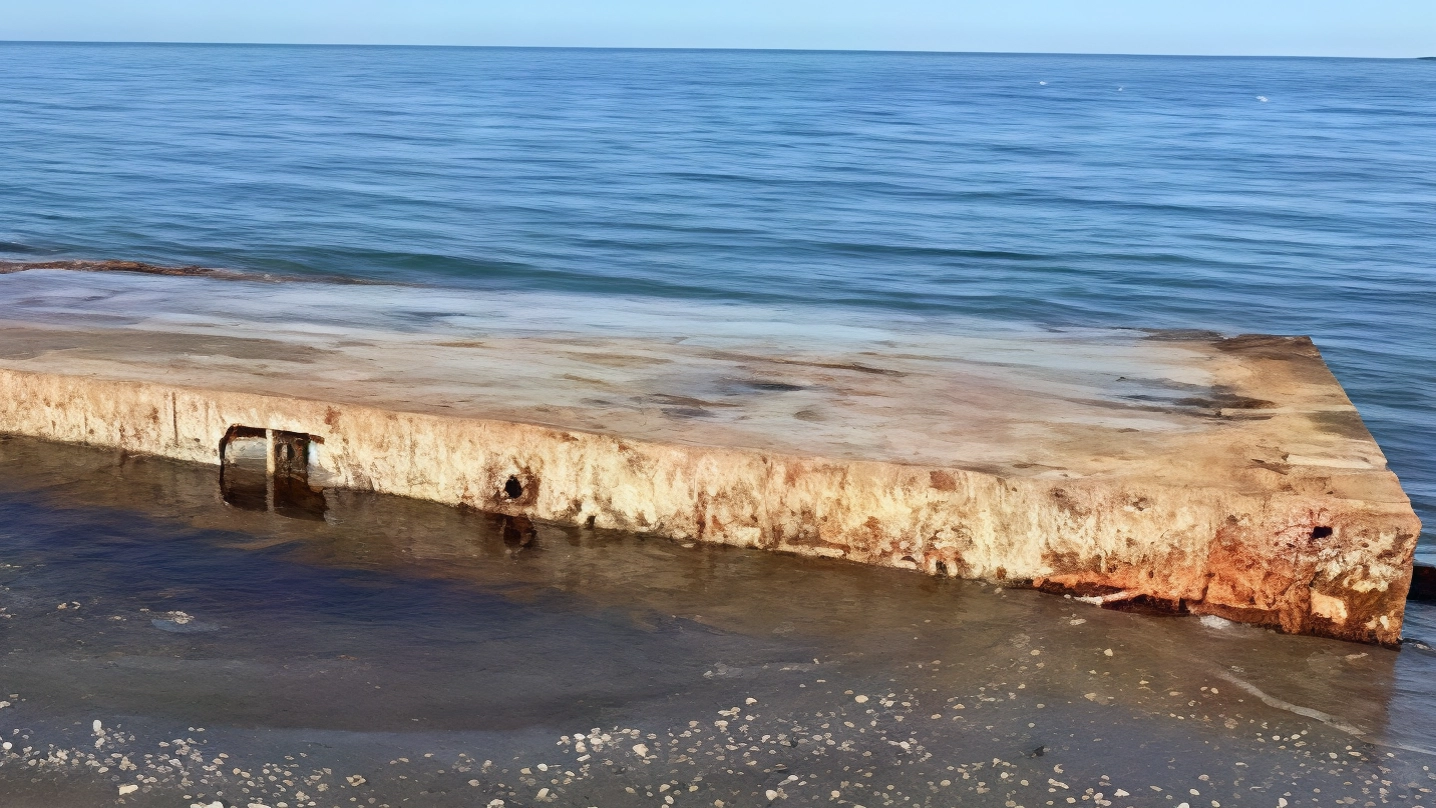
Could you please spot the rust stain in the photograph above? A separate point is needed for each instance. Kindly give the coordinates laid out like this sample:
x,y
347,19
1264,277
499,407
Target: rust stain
x,y
941,481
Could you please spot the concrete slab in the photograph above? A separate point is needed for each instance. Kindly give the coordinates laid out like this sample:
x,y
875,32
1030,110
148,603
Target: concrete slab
x,y
1194,472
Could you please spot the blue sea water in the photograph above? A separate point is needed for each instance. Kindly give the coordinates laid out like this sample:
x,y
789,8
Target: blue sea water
x,y
1268,195
1024,191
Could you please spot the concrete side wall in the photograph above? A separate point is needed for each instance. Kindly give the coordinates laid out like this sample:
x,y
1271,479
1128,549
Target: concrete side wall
x,y
1304,559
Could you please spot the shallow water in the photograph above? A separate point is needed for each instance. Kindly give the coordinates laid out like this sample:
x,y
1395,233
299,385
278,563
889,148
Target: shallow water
x,y
409,644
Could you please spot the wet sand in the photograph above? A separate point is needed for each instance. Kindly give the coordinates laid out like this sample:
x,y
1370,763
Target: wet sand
x,y
400,652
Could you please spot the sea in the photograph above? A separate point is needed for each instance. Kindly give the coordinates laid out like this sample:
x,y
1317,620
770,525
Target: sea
x,y
397,651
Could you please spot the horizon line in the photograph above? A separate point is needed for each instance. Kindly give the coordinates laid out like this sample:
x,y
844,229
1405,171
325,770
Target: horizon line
x,y
914,51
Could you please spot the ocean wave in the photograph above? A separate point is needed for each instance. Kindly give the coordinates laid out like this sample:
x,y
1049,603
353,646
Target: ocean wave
x,y
143,268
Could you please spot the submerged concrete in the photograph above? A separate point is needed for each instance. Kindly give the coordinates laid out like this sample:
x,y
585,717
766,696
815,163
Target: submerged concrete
x,y
1225,476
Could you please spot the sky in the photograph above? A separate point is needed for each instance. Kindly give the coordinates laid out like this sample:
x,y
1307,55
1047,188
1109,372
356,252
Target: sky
x,y
1382,28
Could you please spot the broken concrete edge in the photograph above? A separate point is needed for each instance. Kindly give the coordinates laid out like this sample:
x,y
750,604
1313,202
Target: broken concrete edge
x,y
1303,561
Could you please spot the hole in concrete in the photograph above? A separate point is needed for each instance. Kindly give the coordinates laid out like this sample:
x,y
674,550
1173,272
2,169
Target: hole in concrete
x,y
513,489
291,455
239,441
249,454
291,495
1320,532
243,476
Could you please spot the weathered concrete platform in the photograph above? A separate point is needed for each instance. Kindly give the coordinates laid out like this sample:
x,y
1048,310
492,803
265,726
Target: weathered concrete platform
x,y
1225,476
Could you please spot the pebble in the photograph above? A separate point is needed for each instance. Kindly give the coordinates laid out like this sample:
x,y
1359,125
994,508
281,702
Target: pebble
x,y
645,752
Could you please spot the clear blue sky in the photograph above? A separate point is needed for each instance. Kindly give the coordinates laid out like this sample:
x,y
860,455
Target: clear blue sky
x,y
1264,27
